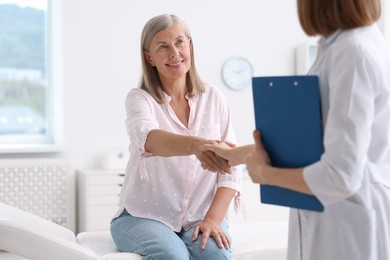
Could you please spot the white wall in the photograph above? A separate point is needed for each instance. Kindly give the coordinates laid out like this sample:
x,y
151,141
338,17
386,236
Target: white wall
x,y
384,21
102,60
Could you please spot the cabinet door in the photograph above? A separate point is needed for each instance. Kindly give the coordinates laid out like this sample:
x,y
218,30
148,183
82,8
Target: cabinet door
x,y
98,198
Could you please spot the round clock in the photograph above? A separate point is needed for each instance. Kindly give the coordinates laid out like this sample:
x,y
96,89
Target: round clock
x,y
237,73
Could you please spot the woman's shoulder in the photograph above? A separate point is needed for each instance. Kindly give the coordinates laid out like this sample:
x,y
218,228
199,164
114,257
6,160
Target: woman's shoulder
x,y
359,46
138,93
213,90
364,41
213,95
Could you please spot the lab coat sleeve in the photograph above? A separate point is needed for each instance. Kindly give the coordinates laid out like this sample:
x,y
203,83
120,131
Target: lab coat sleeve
x,y
347,134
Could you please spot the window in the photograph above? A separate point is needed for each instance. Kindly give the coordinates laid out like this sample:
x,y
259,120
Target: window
x,y
28,90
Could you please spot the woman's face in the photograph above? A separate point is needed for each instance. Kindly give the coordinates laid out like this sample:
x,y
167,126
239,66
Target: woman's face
x,y
170,52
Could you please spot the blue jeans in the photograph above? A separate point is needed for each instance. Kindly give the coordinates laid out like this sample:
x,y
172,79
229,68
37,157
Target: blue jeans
x,y
156,241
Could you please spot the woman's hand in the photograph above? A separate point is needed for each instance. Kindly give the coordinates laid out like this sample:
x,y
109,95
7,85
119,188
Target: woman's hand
x,y
234,155
258,162
212,161
210,228
221,149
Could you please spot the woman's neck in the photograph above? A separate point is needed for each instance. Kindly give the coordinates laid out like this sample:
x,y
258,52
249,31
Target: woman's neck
x,y
175,89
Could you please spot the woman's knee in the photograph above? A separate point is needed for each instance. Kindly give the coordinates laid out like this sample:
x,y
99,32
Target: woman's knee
x,y
212,251
152,240
124,239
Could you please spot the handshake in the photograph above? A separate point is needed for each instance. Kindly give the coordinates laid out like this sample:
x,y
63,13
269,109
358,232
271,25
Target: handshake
x,y
220,156
214,156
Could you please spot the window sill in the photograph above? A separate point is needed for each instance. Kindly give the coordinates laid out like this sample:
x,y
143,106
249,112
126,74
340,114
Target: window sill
x,y
33,148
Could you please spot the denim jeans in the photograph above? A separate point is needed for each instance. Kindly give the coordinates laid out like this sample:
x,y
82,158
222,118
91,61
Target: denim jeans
x,y
156,241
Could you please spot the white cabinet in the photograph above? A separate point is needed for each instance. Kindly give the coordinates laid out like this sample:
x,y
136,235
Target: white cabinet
x,y
98,198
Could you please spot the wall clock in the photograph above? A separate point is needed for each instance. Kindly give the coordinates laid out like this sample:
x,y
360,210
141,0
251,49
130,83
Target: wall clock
x,y
237,73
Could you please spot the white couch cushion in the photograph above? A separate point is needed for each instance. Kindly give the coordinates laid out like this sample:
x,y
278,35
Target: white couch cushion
x,y
101,243
252,241
33,237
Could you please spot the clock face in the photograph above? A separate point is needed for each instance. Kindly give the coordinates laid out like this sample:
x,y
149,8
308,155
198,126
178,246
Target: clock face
x,y
237,73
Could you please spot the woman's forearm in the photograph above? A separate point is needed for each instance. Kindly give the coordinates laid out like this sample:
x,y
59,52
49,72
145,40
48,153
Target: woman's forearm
x,y
162,143
238,154
289,178
165,144
220,204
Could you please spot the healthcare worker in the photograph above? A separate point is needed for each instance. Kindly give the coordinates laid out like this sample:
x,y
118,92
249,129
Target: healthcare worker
x,y
352,178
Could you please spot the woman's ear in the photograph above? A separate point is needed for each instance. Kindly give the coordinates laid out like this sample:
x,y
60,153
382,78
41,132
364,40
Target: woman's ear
x,y
149,59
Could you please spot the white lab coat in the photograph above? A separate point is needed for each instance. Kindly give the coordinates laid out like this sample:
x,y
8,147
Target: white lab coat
x,y
352,178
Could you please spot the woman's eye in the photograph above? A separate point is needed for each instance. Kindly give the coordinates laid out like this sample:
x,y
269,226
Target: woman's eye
x,y
163,47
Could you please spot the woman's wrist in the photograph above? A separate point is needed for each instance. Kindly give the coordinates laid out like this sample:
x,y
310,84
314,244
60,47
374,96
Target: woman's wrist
x,y
195,143
269,176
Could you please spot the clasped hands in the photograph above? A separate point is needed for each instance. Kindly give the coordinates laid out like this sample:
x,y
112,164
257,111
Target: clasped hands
x,y
212,161
222,155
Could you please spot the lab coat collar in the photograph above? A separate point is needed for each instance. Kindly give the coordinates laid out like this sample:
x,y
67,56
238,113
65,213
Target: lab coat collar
x,y
326,41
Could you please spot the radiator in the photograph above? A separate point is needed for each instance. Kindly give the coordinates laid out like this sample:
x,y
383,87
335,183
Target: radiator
x,y
44,187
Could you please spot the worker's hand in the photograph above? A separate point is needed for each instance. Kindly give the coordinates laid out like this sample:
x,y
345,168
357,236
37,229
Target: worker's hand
x,y
258,161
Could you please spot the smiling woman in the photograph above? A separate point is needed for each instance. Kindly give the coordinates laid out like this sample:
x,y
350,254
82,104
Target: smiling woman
x,y
174,197
27,88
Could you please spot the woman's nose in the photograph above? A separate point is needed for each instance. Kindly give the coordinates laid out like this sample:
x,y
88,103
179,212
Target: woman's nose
x,y
175,53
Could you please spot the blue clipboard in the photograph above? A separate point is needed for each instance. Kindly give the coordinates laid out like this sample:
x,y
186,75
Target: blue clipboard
x,y
288,115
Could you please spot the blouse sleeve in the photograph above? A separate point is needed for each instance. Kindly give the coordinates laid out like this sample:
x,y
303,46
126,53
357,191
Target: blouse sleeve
x,y
227,134
140,118
234,179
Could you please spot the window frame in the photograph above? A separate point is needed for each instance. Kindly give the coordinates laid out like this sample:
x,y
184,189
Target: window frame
x,y
54,141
